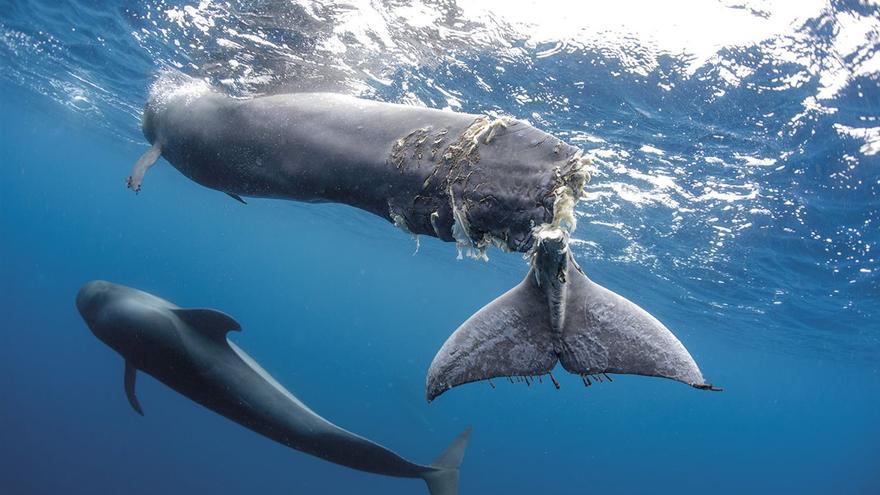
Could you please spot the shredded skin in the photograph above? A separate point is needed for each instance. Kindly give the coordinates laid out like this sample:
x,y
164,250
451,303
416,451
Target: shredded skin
x,y
569,182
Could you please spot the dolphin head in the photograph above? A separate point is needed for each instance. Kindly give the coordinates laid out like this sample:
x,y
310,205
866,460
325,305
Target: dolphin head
x,y
92,298
131,322
101,305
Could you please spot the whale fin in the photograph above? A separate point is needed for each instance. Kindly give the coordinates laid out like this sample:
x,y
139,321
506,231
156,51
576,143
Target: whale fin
x,y
136,179
598,332
442,479
130,376
237,198
511,336
606,333
208,322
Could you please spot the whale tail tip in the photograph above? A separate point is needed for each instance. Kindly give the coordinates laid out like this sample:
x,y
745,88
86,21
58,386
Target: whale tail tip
x,y
596,332
443,478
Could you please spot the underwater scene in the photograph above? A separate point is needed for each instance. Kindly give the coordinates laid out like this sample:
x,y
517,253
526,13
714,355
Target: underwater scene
x,y
440,247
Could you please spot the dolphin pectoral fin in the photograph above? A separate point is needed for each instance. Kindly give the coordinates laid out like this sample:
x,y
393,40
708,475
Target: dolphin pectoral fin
x,y
208,322
237,198
511,336
130,376
606,333
146,161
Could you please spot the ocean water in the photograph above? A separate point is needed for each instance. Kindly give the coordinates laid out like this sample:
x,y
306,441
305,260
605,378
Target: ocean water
x,y
735,196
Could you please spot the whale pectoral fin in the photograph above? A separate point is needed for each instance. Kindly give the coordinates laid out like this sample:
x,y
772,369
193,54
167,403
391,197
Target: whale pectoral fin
x,y
130,376
511,336
208,322
146,161
237,198
606,333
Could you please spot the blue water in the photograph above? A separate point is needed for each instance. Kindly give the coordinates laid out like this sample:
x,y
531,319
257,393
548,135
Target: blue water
x,y
736,196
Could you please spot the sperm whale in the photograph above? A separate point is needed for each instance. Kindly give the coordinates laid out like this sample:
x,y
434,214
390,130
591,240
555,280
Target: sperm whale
x,y
187,350
463,178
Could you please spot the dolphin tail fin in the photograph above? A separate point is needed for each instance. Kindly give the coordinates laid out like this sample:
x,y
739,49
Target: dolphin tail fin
x,y
596,332
146,161
443,478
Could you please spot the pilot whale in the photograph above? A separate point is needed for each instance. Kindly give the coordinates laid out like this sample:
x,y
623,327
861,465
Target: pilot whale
x,y
187,350
459,177
463,178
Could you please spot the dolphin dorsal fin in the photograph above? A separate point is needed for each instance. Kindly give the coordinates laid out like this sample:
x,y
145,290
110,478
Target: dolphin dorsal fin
x,y
208,322
130,376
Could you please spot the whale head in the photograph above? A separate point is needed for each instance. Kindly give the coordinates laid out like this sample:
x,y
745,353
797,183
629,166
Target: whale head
x,y
170,90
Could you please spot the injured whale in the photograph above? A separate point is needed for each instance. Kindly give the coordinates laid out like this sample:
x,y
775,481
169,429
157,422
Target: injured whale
x,y
459,177
187,350
463,178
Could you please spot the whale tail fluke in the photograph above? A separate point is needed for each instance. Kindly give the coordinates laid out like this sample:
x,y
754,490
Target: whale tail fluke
x,y
511,336
589,329
443,479
607,333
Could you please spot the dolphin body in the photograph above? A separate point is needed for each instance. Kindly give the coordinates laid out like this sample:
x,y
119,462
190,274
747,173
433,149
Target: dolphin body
x,y
187,350
459,177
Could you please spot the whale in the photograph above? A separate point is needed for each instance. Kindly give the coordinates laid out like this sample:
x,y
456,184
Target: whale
x,y
474,180
459,177
188,351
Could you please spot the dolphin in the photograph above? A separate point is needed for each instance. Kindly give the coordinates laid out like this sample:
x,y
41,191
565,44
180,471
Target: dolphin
x,y
463,178
188,350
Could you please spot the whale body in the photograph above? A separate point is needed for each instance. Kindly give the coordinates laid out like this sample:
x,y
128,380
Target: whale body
x,y
456,176
465,178
187,350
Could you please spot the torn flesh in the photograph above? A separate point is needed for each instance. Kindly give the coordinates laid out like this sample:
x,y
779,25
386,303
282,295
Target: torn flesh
x,y
400,222
558,315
